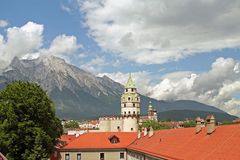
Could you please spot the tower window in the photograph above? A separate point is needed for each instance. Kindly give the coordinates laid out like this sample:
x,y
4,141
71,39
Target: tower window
x,y
133,104
124,105
131,129
126,90
125,113
129,112
133,112
132,89
129,98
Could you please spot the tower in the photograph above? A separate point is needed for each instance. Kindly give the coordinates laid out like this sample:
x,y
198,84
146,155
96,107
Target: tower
x,y
152,112
130,107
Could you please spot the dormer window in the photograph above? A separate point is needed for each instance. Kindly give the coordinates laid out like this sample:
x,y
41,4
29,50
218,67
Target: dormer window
x,y
114,139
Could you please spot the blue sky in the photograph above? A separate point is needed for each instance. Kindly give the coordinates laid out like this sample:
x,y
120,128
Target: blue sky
x,y
170,49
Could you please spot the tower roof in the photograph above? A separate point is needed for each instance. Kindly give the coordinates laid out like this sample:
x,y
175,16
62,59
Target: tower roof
x,y
130,83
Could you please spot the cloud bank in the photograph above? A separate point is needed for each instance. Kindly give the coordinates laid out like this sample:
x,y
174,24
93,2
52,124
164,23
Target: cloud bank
x,y
155,32
216,87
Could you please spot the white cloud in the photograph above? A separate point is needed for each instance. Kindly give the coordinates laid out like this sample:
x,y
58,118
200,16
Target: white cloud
x,y
21,41
3,23
27,42
66,8
141,79
215,87
94,65
160,31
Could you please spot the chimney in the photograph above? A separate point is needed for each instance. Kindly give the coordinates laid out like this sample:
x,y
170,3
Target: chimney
x,y
198,125
145,132
139,134
210,123
151,132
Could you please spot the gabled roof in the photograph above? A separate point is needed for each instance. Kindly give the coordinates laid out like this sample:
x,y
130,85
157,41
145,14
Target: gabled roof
x,y
100,140
185,144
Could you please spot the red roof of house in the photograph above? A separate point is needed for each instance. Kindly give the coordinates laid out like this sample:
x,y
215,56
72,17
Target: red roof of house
x,y
183,143
98,140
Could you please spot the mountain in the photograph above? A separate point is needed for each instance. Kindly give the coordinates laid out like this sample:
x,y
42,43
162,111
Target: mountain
x,y
79,94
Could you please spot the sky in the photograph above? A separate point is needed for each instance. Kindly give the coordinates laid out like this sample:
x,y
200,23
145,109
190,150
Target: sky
x,y
179,49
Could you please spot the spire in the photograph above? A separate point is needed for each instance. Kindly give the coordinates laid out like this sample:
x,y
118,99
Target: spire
x,y
130,83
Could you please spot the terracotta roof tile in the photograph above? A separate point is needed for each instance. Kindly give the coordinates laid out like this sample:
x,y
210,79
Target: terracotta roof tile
x,y
183,143
101,140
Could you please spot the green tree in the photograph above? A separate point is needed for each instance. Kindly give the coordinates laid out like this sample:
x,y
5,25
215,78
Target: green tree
x,y
189,124
155,125
71,124
28,126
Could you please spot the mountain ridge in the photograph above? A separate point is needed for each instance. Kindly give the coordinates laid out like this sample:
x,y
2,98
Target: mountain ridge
x,y
80,94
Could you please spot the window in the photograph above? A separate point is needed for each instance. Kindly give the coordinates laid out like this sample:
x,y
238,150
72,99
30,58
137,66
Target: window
x,y
79,156
124,105
125,113
129,98
131,129
126,90
133,104
114,139
67,157
129,112
101,156
121,155
133,112
132,89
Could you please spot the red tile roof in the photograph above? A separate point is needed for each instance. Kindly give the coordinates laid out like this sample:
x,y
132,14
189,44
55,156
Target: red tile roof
x,y
183,143
99,140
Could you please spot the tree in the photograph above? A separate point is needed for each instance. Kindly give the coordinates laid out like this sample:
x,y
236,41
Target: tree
x,y
71,124
29,127
155,125
189,124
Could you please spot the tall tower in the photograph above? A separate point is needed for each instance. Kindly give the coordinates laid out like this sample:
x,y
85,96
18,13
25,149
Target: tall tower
x,y
130,107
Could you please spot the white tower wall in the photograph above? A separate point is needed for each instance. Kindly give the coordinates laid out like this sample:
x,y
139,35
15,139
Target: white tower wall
x,y
130,124
104,125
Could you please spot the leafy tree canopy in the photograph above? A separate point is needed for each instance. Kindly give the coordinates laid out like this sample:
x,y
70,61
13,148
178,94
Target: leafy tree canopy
x,y
155,125
189,124
28,126
71,124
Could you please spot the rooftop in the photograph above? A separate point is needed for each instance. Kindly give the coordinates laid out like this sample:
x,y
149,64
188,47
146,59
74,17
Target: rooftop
x,y
185,144
101,140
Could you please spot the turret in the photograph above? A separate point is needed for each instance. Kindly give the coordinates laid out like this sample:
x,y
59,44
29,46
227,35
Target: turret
x,y
152,113
130,100
130,106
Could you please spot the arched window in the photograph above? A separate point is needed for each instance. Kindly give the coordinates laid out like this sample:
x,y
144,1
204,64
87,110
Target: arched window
x,y
124,105
129,98
133,104
129,112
